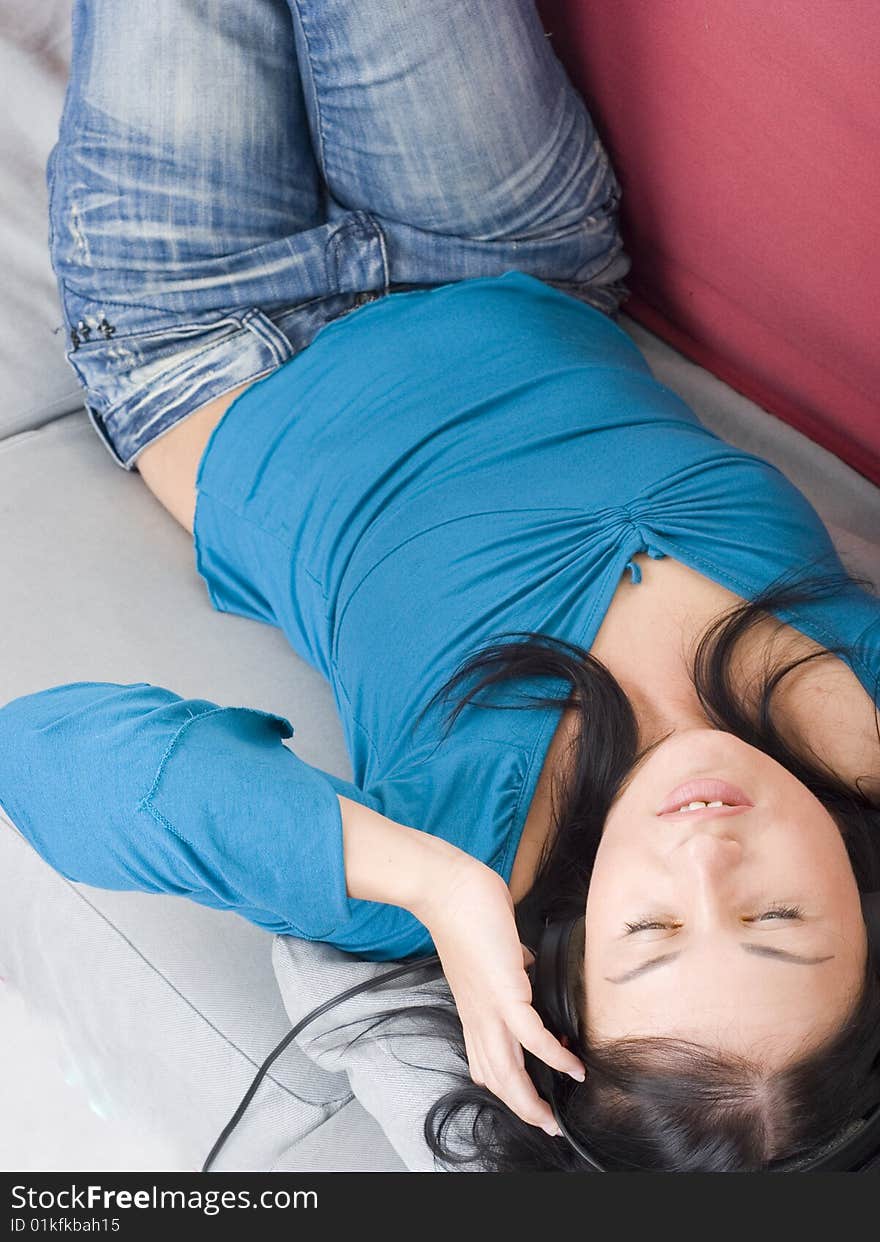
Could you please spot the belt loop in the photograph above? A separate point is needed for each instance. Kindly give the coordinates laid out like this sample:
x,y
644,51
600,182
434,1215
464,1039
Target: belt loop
x,y
356,255
261,325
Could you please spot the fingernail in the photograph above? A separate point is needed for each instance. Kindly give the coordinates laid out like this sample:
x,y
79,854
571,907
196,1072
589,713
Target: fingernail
x,y
580,1075
552,1129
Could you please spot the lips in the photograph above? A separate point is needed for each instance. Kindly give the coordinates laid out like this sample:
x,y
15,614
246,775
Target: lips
x,y
705,789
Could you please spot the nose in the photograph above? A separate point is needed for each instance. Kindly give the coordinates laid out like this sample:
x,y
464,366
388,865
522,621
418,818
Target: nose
x,y
706,863
708,858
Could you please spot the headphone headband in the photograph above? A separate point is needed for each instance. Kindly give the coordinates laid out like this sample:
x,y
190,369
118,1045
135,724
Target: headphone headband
x,y
560,952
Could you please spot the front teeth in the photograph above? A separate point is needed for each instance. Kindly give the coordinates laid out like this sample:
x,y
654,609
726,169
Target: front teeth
x,y
698,806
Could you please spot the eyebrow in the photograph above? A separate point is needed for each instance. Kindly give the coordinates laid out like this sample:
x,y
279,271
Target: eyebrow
x,y
759,950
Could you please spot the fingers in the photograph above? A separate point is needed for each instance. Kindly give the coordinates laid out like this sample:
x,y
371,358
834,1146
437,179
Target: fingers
x,y
504,1074
518,1092
521,1097
533,1034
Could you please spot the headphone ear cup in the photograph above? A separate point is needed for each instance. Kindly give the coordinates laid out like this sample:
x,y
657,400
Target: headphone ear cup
x,y
559,952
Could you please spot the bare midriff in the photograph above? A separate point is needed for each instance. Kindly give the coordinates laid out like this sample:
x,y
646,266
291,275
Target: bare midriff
x,y
169,464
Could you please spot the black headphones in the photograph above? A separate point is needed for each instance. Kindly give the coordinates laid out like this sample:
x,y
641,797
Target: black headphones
x,y
559,951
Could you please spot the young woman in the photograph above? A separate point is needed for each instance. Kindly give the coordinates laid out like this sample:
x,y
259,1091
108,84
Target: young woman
x,y
672,727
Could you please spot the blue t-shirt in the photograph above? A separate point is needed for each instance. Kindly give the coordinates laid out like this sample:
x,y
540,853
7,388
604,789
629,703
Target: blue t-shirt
x,y
440,469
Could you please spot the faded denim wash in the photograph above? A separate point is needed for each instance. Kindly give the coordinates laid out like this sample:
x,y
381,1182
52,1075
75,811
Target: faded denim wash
x,y
230,177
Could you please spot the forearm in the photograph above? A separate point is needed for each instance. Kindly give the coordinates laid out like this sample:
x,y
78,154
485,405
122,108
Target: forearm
x,y
133,787
389,862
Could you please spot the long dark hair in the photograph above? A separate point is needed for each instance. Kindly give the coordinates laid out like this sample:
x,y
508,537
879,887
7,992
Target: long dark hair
x,y
664,1103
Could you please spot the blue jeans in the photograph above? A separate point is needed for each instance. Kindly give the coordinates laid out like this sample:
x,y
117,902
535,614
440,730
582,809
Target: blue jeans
x,y
231,177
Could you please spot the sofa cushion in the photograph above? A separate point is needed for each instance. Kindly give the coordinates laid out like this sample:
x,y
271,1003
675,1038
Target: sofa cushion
x,y
37,381
168,1007
166,1010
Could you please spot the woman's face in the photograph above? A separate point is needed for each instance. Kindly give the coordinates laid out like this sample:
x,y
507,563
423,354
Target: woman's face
x,y
757,943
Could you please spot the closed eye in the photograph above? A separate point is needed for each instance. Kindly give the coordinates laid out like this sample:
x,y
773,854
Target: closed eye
x,y
776,912
780,912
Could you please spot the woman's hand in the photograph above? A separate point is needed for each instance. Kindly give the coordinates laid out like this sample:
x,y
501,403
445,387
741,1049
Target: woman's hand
x,y
468,909
471,920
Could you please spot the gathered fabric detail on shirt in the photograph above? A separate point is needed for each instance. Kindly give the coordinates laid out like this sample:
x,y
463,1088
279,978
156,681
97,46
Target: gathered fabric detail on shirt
x,y
635,570
627,520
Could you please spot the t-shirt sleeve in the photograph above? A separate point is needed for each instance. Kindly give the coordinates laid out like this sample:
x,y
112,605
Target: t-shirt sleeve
x,y
135,787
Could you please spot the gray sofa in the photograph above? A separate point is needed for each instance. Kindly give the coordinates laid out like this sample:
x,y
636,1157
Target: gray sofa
x,y
173,1005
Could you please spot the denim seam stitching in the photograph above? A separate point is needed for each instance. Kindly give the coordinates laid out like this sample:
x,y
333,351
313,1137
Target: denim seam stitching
x,y
194,356
364,223
254,323
227,319
115,411
121,408
335,240
383,252
317,97
70,290
234,384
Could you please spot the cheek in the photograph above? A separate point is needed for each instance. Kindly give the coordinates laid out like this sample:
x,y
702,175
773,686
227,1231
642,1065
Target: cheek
x,y
608,882
812,849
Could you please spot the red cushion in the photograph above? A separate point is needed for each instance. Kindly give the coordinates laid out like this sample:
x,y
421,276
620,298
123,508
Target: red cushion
x,y
746,138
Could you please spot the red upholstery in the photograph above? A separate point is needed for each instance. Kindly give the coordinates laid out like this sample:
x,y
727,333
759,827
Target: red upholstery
x,y
746,137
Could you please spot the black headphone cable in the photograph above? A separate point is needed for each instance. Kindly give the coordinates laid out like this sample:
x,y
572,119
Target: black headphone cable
x,y
433,960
